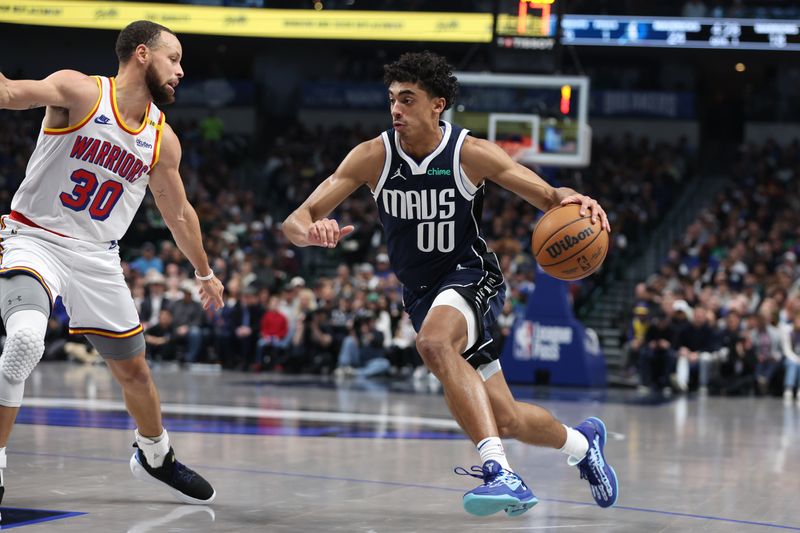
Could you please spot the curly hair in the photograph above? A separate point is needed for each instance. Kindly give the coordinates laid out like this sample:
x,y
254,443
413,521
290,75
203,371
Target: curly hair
x,y
430,70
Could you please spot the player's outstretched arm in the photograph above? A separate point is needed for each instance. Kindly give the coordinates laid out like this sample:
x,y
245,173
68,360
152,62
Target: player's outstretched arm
x,y
180,217
484,159
63,89
308,225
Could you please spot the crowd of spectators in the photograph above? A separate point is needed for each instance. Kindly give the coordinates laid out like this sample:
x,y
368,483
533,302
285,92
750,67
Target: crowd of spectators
x,y
722,315
319,310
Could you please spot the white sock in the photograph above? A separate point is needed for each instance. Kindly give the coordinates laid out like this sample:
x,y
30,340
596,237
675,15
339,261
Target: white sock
x,y
491,448
576,446
153,448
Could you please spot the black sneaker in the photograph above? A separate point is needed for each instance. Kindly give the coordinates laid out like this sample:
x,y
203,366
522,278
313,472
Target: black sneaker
x,y
184,483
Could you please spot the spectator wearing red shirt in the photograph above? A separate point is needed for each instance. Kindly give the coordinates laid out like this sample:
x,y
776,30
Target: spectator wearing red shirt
x,y
274,334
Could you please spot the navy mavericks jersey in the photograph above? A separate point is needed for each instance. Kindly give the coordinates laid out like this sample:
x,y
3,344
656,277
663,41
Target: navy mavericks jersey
x,y
430,212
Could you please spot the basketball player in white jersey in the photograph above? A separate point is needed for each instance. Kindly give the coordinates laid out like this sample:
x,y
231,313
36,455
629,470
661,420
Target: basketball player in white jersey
x,y
103,142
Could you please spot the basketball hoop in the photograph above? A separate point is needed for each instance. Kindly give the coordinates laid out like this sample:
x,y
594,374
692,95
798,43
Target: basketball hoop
x,y
525,115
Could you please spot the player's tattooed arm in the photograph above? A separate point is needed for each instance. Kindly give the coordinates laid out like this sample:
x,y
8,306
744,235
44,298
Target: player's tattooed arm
x,y
170,196
180,216
64,89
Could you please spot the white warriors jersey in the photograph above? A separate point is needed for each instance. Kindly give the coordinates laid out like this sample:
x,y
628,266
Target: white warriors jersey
x,y
87,181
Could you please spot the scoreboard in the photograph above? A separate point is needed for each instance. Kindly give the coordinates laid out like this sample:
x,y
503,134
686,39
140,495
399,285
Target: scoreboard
x,y
525,24
681,32
538,25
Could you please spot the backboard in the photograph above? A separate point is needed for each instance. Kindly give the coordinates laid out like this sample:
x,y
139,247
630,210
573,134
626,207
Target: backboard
x,y
539,120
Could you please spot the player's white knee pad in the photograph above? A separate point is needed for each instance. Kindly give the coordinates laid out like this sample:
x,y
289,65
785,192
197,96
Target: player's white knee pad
x,y
22,351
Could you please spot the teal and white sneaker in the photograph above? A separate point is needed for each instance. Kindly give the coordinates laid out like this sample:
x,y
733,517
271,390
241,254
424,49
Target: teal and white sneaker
x,y
502,490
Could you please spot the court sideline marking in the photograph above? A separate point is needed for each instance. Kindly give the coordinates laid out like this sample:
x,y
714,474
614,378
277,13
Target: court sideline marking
x,y
248,412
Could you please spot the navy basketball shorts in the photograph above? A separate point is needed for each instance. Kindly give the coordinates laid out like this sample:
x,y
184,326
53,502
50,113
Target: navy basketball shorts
x,y
485,294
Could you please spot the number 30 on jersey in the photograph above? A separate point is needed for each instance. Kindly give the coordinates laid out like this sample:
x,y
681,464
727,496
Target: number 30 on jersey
x,y
86,193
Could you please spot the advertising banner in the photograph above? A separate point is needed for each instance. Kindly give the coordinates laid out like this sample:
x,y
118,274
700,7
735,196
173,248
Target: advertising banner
x,y
548,345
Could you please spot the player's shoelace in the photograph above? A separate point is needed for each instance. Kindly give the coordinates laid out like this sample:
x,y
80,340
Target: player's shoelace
x,y
183,473
587,472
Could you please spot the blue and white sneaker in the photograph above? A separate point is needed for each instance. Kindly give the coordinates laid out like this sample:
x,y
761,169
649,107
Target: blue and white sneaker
x,y
601,477
502,490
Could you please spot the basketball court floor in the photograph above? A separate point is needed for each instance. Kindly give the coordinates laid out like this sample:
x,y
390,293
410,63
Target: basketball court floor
x,y
289,453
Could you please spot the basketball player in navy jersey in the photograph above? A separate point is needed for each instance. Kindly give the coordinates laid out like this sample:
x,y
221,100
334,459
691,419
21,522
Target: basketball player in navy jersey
x,y
428,179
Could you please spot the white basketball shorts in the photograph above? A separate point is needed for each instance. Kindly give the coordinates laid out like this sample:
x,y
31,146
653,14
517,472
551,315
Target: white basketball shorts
x,y
87,275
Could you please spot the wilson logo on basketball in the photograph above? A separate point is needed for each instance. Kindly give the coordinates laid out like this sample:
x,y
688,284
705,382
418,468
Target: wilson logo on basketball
x,y
561,246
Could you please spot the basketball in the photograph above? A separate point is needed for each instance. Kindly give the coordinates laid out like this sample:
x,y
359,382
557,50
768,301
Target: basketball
x,y
567,245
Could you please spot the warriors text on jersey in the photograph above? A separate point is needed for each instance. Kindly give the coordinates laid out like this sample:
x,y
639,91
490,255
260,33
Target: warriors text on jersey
x,y
87,181
430,212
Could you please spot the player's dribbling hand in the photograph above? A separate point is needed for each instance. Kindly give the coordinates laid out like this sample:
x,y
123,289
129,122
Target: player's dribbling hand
x,y
327,233
211,293
590,205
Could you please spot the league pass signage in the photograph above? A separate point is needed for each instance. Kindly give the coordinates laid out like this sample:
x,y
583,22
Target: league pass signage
x,y
533,340
549,344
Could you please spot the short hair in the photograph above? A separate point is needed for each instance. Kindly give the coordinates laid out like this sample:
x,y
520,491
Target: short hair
x,y
430,70
136,33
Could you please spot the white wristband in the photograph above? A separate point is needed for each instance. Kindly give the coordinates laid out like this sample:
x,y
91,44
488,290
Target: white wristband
x,y
204,278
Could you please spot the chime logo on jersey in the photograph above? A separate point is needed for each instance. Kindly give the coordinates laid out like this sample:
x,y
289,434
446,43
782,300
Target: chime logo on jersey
x,y
109,156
